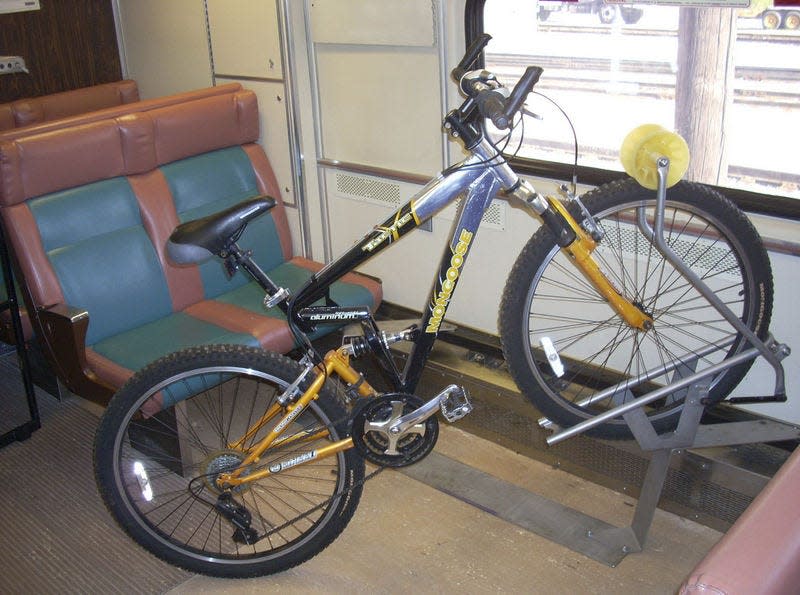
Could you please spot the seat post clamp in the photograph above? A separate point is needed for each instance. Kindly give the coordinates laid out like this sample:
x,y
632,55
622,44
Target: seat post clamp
x,y
270,301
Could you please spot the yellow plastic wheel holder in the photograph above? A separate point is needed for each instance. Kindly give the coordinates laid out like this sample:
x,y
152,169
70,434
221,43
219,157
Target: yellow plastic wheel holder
x,y
645,145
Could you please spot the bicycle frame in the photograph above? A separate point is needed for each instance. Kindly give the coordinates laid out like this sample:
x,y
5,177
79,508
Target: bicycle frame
x,y
482,177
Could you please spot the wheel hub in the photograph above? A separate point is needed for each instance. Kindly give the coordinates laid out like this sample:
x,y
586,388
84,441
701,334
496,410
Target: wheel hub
x,y
222,461
640,306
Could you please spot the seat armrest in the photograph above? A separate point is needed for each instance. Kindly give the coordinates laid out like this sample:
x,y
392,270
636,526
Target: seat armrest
x,y
64,332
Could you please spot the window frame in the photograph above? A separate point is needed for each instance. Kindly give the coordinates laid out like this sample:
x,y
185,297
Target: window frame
x,y
747,200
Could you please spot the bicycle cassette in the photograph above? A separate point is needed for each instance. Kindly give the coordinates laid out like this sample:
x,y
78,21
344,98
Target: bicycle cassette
x,y
374,441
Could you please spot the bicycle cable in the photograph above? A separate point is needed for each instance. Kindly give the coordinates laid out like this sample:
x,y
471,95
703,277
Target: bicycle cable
x,y
574,140
496,159
202,480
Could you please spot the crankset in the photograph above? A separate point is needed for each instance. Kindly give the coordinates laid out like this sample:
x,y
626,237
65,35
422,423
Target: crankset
x,y
373,436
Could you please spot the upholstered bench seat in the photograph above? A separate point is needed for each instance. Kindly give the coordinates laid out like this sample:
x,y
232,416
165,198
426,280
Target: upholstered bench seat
x,y
76,108
30,111
89,209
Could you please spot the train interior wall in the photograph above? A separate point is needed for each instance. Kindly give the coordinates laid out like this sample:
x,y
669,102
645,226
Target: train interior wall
x,y
365,84
352,93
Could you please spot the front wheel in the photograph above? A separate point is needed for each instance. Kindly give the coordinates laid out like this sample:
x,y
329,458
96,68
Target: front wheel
x,y
182,421
606,362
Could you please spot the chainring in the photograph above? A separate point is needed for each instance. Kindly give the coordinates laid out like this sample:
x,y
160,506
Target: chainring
x,y
375,443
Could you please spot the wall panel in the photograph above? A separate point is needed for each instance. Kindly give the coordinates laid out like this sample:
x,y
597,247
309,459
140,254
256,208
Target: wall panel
x,y
374,22
165,45
245,38
381,106
66,45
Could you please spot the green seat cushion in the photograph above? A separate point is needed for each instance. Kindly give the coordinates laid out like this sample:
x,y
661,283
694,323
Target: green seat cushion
x,y
95,241
210,183
138,347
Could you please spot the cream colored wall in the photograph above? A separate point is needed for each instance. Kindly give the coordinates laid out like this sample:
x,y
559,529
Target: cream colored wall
x,y
380,106
245,37
176,46
163,45
370,82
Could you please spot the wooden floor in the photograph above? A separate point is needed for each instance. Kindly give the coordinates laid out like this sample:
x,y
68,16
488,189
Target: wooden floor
x,y
406,536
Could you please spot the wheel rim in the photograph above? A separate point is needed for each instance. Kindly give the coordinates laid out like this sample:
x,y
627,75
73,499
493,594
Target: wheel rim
x,y
598,350
792,21
771,21
607,14
180,514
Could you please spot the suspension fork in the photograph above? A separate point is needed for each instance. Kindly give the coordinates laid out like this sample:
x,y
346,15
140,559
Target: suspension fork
x,y
578,245
336,361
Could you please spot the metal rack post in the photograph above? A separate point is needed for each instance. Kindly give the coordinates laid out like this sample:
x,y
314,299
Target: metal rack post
x,y
611,544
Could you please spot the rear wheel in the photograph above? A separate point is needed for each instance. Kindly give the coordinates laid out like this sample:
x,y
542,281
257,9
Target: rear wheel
x,y
181,422
631,16
606,362
792,20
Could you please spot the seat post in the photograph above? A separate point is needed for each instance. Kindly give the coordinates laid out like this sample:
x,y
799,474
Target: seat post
x,y
276,295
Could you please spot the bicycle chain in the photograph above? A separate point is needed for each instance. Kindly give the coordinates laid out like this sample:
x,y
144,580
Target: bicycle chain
x,y
380,468
347,419
201,479
322,504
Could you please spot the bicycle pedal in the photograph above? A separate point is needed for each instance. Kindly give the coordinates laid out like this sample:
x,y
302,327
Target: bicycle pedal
x,y
455,404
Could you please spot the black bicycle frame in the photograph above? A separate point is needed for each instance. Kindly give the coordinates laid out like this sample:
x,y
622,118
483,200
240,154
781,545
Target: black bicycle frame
x,y
480,178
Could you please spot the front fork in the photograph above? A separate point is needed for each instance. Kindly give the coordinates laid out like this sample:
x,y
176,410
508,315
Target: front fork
x,y
579,245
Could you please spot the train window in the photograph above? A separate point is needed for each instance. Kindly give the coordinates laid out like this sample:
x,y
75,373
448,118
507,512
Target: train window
x,y
727,79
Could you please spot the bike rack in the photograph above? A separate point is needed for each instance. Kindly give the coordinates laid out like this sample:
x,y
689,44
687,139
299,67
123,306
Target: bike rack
x,y
611,544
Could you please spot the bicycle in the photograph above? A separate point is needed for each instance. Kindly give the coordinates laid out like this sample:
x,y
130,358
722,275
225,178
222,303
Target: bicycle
x,y
234,461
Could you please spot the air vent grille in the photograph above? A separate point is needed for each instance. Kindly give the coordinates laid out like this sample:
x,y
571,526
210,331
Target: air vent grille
x,y
368,189
389,194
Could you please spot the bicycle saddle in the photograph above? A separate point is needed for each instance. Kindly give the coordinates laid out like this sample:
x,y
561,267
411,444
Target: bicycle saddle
x,y
200,239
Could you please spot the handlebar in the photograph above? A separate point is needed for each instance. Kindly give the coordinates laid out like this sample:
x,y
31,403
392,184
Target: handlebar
x,y
492,101
473,51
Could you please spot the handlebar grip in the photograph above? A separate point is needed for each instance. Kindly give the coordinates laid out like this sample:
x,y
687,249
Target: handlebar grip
x,y
521,89
472,53
492,105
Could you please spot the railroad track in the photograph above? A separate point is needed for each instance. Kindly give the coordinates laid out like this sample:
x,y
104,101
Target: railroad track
x,y
657,78
520,61
776,180
776,36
